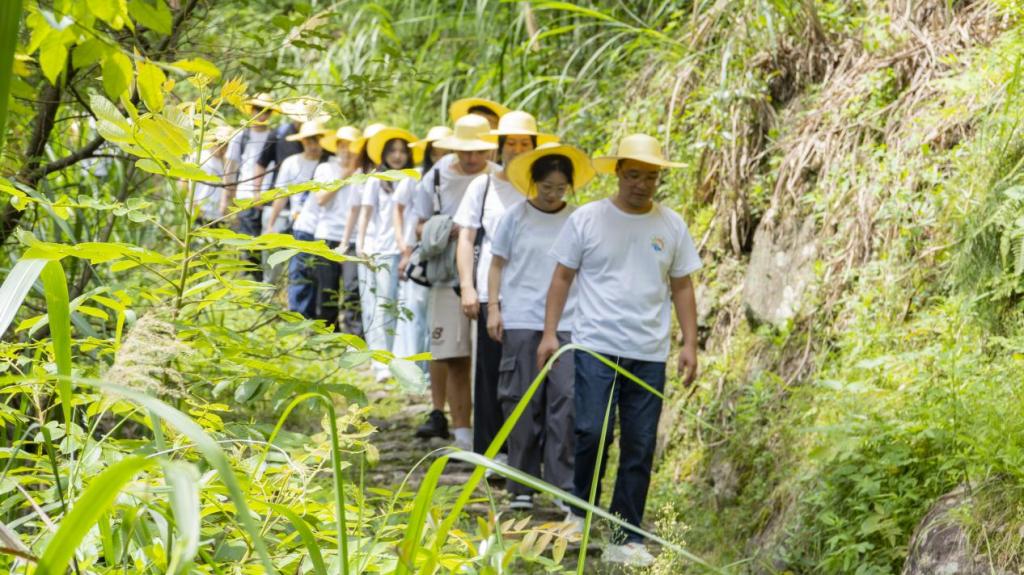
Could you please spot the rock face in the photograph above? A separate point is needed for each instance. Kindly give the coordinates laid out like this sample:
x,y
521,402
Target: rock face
x,y
940,545
781,271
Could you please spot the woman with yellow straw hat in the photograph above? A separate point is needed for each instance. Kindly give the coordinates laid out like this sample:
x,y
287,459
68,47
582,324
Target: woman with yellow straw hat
x,y
205,201
631,259
299,169
437,198
412,336
492,111
541,443
338,282
377,239
486,199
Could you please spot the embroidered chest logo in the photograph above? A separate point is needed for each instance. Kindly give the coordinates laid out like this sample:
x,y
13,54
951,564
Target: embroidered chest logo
x,y
657,244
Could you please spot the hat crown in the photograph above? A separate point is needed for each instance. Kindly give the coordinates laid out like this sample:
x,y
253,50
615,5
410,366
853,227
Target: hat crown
x,y
312,127
349,133
471,127
438,132
372,129
639,145
517,121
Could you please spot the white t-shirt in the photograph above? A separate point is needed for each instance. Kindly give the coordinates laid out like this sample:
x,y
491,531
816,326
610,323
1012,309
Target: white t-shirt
x,y
523,238
502,196
380,229
334,214
404,196
297,169
246,161
453,187
205,195
624,263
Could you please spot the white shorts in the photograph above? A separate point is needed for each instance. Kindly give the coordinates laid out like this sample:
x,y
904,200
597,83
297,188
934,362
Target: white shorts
x,y
449,328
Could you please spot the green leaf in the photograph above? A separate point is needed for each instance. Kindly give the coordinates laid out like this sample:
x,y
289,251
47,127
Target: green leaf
x,y
15,287
183,478
105,10
198,66
94,502
58,310
10,16
152,14
117,74
53,54
408,374
279,257
88,53
150,82
308,539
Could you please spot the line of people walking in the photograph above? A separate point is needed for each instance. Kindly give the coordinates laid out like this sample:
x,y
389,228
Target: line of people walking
x,y
483,263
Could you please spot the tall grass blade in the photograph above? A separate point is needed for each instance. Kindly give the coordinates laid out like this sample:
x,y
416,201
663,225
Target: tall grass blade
x,y
306,534
183,478
10,15
15,287
93,503
58,308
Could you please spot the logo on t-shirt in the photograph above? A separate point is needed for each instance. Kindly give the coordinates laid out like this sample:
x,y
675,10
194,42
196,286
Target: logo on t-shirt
x,y
657,244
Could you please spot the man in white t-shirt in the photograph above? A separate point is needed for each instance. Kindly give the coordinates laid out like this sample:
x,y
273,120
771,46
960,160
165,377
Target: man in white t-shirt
x,y
631,261
240,175
450,343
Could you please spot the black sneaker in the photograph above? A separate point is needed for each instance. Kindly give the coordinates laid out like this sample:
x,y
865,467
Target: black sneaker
x,y
435,426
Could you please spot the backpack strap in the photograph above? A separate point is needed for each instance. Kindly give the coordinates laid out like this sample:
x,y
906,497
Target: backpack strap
x,y
437,192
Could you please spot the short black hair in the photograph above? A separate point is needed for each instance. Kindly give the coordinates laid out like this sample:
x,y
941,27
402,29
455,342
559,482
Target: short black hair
x,y
365,162
547,165
428,159
483,111
387,146
501,145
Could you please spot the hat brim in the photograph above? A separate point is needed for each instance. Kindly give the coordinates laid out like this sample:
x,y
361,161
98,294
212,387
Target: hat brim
x,y
457,144
300,136
607,164
330,141
460,108
518,169
375,145
262,104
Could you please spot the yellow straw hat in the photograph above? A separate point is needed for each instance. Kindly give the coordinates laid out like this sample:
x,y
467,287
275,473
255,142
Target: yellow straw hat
x,y
460,108
520,123
350,134
311,129
468,136
518,170
262,100
433,135
375,144
639,147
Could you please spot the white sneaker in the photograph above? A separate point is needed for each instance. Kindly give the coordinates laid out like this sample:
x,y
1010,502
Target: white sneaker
x,y
574,525
463,438
522,502
631,554
562,505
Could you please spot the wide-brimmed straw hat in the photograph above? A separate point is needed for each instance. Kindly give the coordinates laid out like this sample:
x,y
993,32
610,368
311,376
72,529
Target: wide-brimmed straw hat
x,y
219,135
263,101
350,134
311,129
303,110
375,144
433,135
520,123
460,108
639,147
518,170
468,136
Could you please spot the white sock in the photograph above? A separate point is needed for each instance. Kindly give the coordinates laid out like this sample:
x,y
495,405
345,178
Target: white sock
x,y
463,436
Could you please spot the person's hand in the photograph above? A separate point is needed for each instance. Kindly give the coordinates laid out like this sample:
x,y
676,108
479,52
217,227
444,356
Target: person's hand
x,y
547,348
341,249
470,302
494,328
687,365
403,263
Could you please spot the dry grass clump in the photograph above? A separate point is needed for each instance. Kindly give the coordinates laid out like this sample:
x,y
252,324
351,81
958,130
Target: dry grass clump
x,y
148,357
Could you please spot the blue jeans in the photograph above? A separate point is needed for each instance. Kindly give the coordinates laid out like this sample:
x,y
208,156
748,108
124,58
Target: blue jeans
x,y
638,411
302,281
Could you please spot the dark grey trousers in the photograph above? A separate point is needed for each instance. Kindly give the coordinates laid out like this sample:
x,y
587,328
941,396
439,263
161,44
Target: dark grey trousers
x,y
544,434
